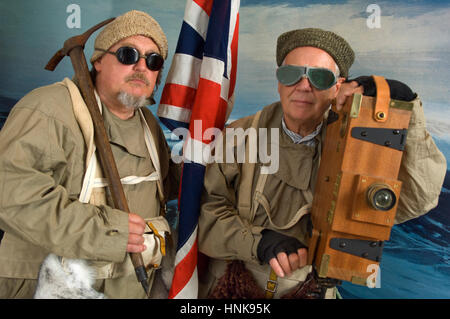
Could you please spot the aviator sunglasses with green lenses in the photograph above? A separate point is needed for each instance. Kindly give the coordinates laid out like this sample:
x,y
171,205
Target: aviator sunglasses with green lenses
x,y
320,78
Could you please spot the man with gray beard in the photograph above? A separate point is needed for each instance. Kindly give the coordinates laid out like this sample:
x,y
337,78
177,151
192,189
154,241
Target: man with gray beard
x,y
132,101
53,196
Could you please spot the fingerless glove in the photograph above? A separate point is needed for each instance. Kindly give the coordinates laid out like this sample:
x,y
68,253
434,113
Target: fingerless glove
x,y
273,243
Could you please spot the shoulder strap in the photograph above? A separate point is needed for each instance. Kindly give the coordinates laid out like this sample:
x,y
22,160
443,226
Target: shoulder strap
x,y
82,116
247,173
84,120
151,145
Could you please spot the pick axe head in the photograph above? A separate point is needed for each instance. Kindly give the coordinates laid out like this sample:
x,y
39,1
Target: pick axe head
x,y
76,41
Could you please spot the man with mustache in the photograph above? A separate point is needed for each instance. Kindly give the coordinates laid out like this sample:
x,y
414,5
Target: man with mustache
x,y
260,222
54,199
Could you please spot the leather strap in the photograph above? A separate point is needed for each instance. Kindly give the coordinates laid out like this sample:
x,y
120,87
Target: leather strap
x,y
383,97
161,238
272,284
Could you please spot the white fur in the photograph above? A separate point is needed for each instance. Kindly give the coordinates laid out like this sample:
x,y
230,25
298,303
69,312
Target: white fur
x,y
72,279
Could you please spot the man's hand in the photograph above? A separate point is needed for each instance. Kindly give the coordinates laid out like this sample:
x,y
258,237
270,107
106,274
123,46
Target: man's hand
x,y
347,89
366,85
285,265
136,229
284,254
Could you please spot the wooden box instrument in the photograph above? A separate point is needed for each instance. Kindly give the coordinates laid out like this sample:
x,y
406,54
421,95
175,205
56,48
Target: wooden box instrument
x,y
357,191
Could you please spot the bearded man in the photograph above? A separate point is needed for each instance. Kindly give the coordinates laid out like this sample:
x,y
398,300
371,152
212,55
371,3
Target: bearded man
x,y
53,197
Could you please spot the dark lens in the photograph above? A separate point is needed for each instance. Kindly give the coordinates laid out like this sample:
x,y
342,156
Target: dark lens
x,y
155,61
127,55
321,78
290,74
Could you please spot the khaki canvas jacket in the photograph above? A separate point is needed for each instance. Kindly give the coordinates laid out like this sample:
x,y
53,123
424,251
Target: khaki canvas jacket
x,y
42,165
225,234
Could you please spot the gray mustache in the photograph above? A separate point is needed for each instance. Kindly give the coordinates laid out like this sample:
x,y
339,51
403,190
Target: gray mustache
x,y
138,76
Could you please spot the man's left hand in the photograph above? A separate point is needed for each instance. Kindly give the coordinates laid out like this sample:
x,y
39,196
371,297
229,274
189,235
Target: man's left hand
x,y
284,265
366,85
283,253
347,89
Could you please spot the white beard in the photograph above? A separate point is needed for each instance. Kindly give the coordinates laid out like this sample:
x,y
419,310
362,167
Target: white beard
x,y
73,280
132,101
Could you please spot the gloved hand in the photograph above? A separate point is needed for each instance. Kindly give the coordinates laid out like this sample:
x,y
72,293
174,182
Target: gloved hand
x,y
366,85
273,243
399,90
283,253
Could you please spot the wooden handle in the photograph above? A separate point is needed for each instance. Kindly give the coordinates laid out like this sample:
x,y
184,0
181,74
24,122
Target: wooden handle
x,y
74,48
106,157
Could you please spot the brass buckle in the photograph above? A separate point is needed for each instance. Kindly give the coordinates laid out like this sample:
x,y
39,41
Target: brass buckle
x,y
271,283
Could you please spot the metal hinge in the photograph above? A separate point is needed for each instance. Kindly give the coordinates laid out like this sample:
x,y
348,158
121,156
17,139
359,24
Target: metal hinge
x,y
389,137
368,249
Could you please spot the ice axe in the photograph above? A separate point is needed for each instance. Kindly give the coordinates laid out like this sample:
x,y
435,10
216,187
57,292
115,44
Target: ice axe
x,y
74,47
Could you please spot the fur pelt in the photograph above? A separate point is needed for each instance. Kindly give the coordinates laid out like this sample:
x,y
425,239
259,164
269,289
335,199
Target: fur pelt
x,y
72,279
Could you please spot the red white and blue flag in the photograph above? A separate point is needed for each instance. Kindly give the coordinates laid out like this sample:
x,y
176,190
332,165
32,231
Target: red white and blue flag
x,y
199,90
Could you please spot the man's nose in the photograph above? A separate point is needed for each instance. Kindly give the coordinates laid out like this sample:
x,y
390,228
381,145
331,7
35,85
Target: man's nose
x,y
140,65
303,84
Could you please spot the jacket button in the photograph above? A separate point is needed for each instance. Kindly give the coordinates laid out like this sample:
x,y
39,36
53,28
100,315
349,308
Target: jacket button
x,y
112,232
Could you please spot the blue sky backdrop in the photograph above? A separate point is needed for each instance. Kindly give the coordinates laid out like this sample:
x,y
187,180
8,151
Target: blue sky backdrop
x,y
412,45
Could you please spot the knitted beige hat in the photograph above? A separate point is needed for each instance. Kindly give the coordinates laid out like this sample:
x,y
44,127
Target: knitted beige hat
x,y
129,24
328,41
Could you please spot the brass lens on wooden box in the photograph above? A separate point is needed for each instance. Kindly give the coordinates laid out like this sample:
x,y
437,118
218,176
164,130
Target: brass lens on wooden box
x,y
381,197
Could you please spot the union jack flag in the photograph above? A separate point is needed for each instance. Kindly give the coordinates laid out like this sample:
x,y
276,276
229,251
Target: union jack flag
x,y
199,89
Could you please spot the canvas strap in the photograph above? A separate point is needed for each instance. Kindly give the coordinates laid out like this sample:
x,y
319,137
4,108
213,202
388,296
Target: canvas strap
x,y
93,180
93,177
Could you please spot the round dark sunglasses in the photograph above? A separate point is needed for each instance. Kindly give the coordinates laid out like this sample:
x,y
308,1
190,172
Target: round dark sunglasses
x,y
320,78
129,55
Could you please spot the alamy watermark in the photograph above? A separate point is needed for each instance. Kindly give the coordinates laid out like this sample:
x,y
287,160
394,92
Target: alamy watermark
x,y
374,279
73,21
374,19
232,145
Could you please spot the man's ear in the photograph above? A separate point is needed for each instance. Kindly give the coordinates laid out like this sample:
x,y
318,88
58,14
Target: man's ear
x,y
339,82
98,64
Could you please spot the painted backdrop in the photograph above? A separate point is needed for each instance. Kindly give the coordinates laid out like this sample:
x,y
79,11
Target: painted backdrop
x,y
403,40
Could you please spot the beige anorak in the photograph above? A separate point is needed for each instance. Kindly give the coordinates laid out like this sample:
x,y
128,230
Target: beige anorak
x,y
42,166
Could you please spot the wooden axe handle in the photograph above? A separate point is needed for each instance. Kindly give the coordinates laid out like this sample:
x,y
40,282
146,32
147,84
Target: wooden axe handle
x,y
74,48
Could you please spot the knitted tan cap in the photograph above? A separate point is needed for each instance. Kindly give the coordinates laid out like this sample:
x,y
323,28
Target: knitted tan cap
x,y
129,24
328,41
